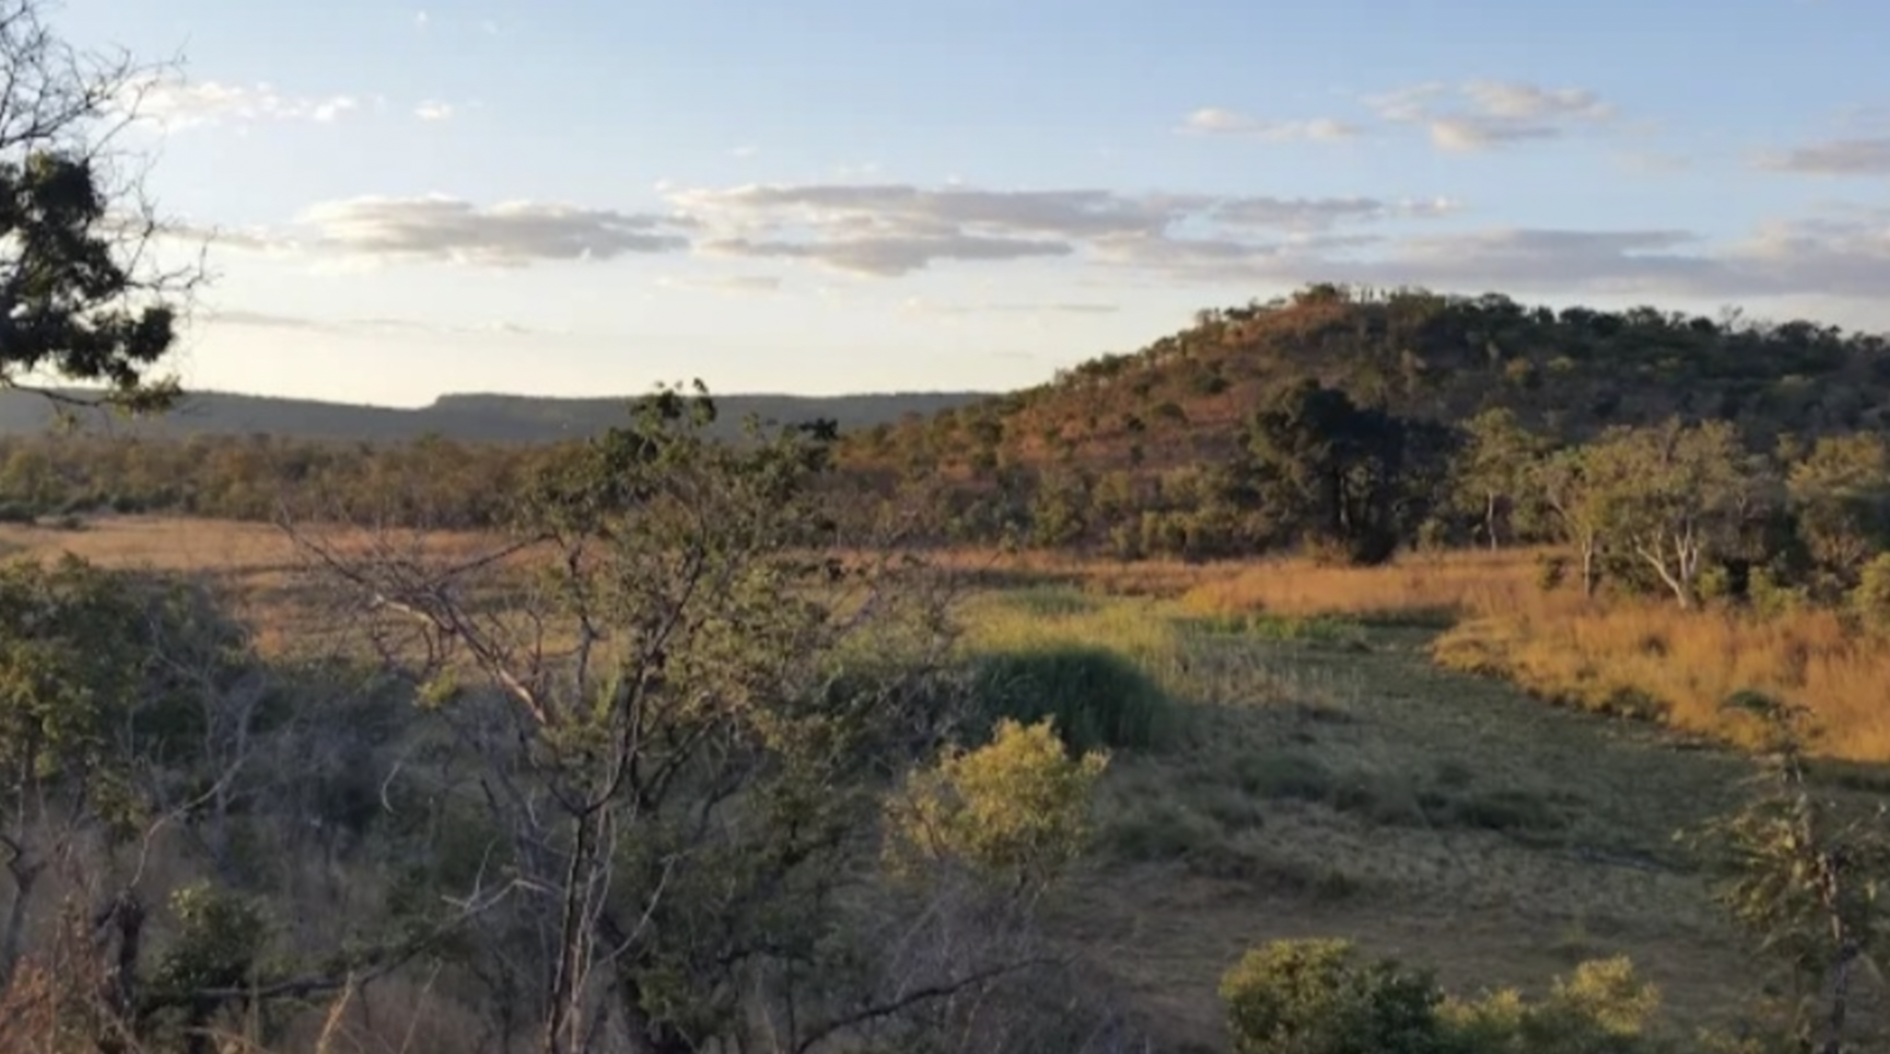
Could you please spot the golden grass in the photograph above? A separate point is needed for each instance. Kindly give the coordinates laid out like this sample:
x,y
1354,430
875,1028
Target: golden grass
x,y
1615,654
1612,654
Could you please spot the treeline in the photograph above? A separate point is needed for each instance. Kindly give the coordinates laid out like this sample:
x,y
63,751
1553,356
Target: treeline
x,y
1676,454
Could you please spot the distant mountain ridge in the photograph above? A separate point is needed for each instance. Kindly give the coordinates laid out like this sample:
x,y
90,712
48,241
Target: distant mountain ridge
x,y
472,417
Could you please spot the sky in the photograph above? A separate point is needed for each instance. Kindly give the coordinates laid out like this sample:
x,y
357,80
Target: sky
x,y
587,197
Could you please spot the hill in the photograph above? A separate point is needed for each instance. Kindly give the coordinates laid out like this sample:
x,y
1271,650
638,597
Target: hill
x,y
1185,398
465,418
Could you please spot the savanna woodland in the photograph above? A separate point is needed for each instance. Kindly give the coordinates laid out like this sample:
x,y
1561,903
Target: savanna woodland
x,y
1369,670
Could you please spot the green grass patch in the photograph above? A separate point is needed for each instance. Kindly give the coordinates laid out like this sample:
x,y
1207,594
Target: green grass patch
x,y
1280,629
1097,697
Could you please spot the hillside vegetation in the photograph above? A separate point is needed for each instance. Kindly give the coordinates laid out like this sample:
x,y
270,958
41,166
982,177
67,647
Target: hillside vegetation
x,y
1186,398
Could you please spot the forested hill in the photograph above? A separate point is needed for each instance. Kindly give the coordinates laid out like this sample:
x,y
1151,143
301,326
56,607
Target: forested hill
x,y
467,418
1568,373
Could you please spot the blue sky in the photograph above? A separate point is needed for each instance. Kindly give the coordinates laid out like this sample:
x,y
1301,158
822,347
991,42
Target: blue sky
x,y
587,197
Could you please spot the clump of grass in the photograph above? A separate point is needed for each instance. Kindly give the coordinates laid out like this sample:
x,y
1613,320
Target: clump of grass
x,y
1050,601
1506,812
1289,776
1147,825
1097,698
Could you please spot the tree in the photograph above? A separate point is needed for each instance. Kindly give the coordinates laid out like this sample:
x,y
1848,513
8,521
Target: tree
x,y
1327,471
135,718
1491,474
83,296
1565,485
686,695
1672,495
1804,871
1840,492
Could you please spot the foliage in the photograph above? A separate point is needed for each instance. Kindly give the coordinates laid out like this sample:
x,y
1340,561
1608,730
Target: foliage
x,y
1335,475
1095,696
1015,809
1323,997
695,690
1316,997
1841,494
1603,1006
83,301
1805,874
1491,479
1671,496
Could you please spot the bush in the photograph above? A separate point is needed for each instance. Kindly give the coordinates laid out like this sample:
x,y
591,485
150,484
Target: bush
x,y
1096,697
1871,598
1603,1007
1317,997
1015,809
1320,997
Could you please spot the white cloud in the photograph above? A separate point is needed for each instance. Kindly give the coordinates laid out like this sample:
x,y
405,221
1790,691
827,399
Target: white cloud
x,y
308,324
1843,255
919,305
433,111
510,234
1489,114
421,20
894,229
1312,214
1213,120
744,152
741,284
1866,156
174,105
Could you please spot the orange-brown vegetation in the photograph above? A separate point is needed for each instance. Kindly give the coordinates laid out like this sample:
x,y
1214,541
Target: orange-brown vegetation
x,y
1637,656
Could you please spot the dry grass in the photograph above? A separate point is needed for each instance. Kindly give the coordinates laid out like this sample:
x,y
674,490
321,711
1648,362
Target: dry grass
x,y
1639,656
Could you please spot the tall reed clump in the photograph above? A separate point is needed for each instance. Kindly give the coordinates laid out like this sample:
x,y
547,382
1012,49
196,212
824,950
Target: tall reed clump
x,y
1096,669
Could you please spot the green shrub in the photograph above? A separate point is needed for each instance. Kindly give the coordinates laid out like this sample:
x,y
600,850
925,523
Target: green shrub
x,y
1318,997
1603,1007
1871,598
1321,997
1097,697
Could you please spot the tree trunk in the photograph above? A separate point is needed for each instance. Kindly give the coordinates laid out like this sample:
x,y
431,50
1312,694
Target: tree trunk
x,y
1591,579
1675,576
1489,520
13,938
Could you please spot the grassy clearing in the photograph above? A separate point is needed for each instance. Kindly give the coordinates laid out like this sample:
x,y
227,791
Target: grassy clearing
x,y
1627,656
1326,779
1292,761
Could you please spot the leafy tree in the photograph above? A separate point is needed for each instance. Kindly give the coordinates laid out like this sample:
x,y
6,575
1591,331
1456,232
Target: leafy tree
x,y
1491,475
1338,475
81,297
687,690
1840,492
1672,496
